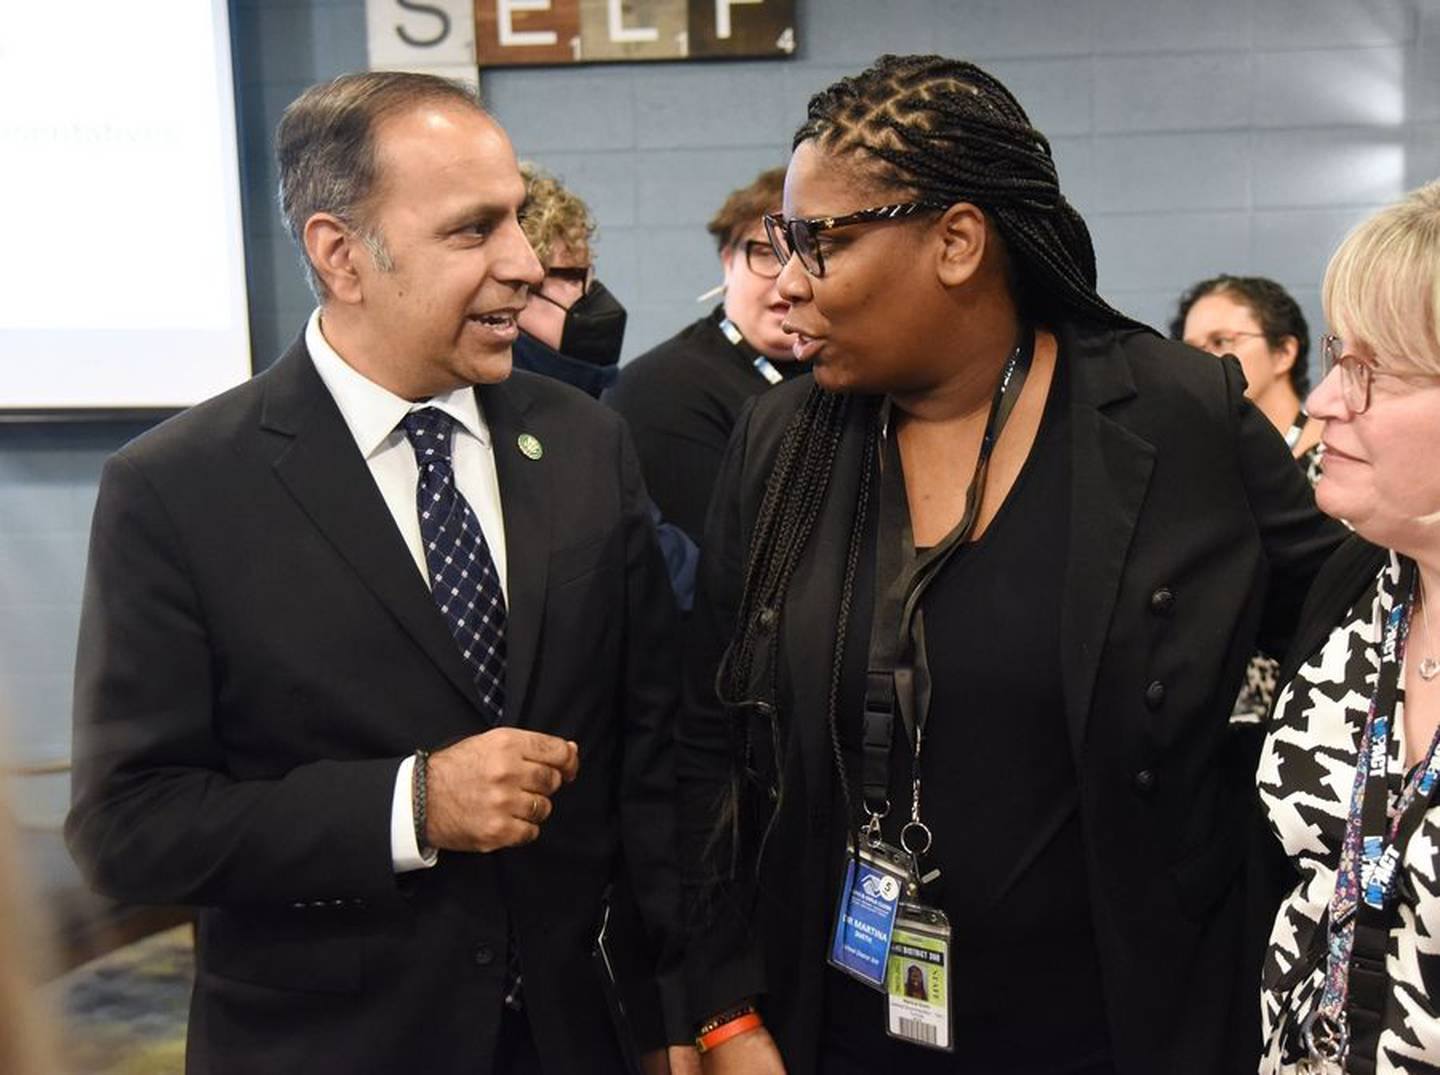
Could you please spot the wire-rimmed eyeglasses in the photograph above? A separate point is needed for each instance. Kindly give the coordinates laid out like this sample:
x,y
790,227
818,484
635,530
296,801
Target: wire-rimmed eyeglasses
x,y
1357,374
1223,343
800,236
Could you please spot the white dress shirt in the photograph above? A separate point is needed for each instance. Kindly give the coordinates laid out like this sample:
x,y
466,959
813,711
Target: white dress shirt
x,y
373,415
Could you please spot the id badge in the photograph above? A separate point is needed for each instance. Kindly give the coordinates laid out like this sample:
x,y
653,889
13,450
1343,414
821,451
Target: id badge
x,y
865,914
917,982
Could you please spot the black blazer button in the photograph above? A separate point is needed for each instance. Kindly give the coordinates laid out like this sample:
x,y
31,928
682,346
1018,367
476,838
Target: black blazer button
x,y
1155,695
1162,601
484,955
1144,781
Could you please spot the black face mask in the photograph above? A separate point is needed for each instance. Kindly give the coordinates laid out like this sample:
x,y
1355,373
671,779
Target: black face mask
x,y
594,326
528,353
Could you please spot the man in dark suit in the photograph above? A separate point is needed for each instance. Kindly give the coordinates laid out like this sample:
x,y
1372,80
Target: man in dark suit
x,y
375,663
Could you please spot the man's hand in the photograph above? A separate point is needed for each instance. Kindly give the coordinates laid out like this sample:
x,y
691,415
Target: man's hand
x,y
751,1053
493,790
674,1060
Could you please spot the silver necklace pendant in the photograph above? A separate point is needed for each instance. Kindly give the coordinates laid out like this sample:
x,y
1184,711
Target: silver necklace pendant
x,y
1429,669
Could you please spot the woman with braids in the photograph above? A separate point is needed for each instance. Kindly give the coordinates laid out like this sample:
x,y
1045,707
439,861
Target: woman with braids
x,y
974,606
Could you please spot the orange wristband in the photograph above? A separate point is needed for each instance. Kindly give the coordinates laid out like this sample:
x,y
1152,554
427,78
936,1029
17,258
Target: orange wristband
x,y
725,1031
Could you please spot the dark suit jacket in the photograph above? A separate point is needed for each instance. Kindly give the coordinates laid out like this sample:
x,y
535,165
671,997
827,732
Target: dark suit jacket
x,y
1192,536
257,655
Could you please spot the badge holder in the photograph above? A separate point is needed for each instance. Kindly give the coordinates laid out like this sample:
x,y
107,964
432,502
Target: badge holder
x,y
918,979
876,876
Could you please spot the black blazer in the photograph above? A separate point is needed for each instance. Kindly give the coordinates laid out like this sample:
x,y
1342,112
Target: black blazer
x,y
257,655
1193,537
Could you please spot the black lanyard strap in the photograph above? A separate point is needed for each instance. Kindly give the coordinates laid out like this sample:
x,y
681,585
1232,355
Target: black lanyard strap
x,y
897,675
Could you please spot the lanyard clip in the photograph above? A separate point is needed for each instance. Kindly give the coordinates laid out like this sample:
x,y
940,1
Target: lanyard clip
x,y
1326,1037
872,831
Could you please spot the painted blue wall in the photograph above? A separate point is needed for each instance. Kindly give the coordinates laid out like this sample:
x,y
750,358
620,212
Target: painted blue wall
x,y
1234,135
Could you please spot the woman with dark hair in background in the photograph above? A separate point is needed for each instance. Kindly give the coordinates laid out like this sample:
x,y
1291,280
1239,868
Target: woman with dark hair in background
x,y
1260,324
982,592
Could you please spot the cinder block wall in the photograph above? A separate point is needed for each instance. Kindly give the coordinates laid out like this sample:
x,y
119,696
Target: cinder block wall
x,y
1232,135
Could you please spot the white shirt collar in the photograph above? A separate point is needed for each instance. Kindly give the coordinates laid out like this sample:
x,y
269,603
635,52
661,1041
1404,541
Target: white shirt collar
x,y
373,412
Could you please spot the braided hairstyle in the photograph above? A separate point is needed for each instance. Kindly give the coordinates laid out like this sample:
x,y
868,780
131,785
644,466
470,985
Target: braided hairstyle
x,y
953,133
950,132
788,510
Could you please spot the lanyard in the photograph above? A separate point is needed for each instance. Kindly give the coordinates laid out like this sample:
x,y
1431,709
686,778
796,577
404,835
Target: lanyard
x,y
1297,428
763,366
1367,878
897,675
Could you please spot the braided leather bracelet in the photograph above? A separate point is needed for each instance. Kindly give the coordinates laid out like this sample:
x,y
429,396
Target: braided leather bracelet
x,y
417,797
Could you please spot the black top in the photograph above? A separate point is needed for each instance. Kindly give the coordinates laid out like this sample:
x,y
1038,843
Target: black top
x,y
999,792
1191,540
681,399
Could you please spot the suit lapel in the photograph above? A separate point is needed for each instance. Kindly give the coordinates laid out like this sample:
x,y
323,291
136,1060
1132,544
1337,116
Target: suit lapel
x,y
526,491
319,464
1111,469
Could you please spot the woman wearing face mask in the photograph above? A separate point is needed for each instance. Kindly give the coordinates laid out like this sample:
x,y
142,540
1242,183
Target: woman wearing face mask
x,y
682,398
572,328
1348,775
974,608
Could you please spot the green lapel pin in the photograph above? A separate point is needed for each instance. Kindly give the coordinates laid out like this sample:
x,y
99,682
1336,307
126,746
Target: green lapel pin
x,y
530,447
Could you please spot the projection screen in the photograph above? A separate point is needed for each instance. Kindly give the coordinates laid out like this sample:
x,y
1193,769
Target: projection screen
x,y
122,280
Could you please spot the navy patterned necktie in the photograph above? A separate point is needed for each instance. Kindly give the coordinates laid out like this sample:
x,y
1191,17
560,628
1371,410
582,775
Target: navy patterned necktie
x,y
462,574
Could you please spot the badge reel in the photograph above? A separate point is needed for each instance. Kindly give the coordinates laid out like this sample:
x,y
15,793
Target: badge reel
x,y
876,876
917,979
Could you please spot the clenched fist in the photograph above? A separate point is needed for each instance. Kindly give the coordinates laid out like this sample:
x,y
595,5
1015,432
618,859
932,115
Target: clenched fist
x,y
493,790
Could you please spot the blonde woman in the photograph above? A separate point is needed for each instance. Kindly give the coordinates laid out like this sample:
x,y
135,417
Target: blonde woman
x,y
1350,772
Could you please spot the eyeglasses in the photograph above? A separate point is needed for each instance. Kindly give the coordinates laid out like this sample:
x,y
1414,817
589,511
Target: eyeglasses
x,y
581,276
801,237
1223,343
576,281
760,258
1357,374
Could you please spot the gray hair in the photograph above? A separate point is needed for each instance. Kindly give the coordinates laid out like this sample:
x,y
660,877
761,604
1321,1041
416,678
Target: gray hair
x,y
325,149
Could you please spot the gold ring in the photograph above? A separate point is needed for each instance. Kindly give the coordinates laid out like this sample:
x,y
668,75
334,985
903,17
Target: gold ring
x,y
535,810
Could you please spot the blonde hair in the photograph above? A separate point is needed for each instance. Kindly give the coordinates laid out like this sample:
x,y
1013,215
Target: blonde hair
x,y
1382,287
554,217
